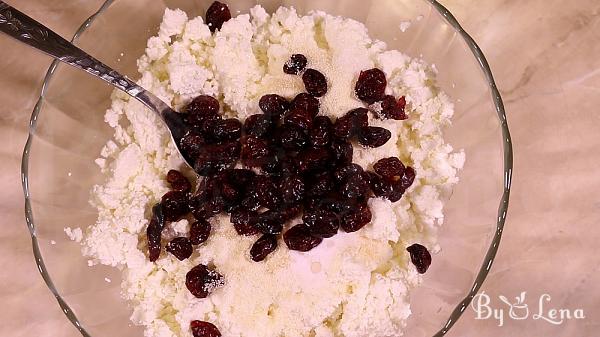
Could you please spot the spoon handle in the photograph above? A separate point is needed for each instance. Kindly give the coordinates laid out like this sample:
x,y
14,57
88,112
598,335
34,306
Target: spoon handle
x,y
27,30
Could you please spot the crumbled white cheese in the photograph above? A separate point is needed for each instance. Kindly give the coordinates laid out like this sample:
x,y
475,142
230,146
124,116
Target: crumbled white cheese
x,y
74,234
404,26
352,285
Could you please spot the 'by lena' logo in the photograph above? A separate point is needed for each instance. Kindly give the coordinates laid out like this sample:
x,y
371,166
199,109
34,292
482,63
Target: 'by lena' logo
x,y
519,309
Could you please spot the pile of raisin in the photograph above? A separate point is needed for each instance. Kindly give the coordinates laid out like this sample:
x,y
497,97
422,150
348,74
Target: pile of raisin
x,y
284,163
287,162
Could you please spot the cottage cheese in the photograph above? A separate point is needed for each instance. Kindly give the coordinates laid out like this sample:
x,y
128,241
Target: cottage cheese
x,y
352,285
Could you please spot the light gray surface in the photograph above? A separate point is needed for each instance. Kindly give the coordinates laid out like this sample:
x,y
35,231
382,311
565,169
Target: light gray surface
x,y
545,56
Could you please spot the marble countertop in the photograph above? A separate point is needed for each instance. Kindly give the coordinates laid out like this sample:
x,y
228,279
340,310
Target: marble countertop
x,y
545,55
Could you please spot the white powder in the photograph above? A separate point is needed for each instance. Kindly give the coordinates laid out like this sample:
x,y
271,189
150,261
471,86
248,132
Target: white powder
x,y
352,285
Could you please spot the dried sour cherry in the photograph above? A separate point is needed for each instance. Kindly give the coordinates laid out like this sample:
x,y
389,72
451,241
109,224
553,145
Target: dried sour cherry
x,y
295,65
315,82
264,246
299,238
370,86
201,281
420,257
217,14
204,329
180,247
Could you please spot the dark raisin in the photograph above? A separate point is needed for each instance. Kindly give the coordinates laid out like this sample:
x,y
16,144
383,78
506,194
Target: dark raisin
x,y
386,104
392,108
299,238
379,186
215,158
315,82
258,125
306,102
226,129
206,205
321,223
255,152
273,167
288,167
199,231
342,151
243,222
251,202
338,205
217,14
204,329
354,187
154,232
389,167
408,177
240,177
207,128
263,247
232,205
370,86
320,134
274,106
320,184
291,137
295,65
313,159
191,144
201,281
226,151
180,247
289,212
299,118
203,105
351,123
312,203
420,257
280,167
292,190
396,192
400,112
178,181
265,191
374,136
174,205
360,117
229,192
214,206
347,172
269,222
201,109
344,127
357,218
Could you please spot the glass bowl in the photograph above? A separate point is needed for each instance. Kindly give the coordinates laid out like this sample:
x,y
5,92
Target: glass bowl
x,y
68,130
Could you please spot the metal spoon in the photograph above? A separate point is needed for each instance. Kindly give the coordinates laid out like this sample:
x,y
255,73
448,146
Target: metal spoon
x,y
27,30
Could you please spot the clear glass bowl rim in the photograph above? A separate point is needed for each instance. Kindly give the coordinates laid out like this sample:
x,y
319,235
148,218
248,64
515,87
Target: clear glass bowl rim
x,y
502,208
